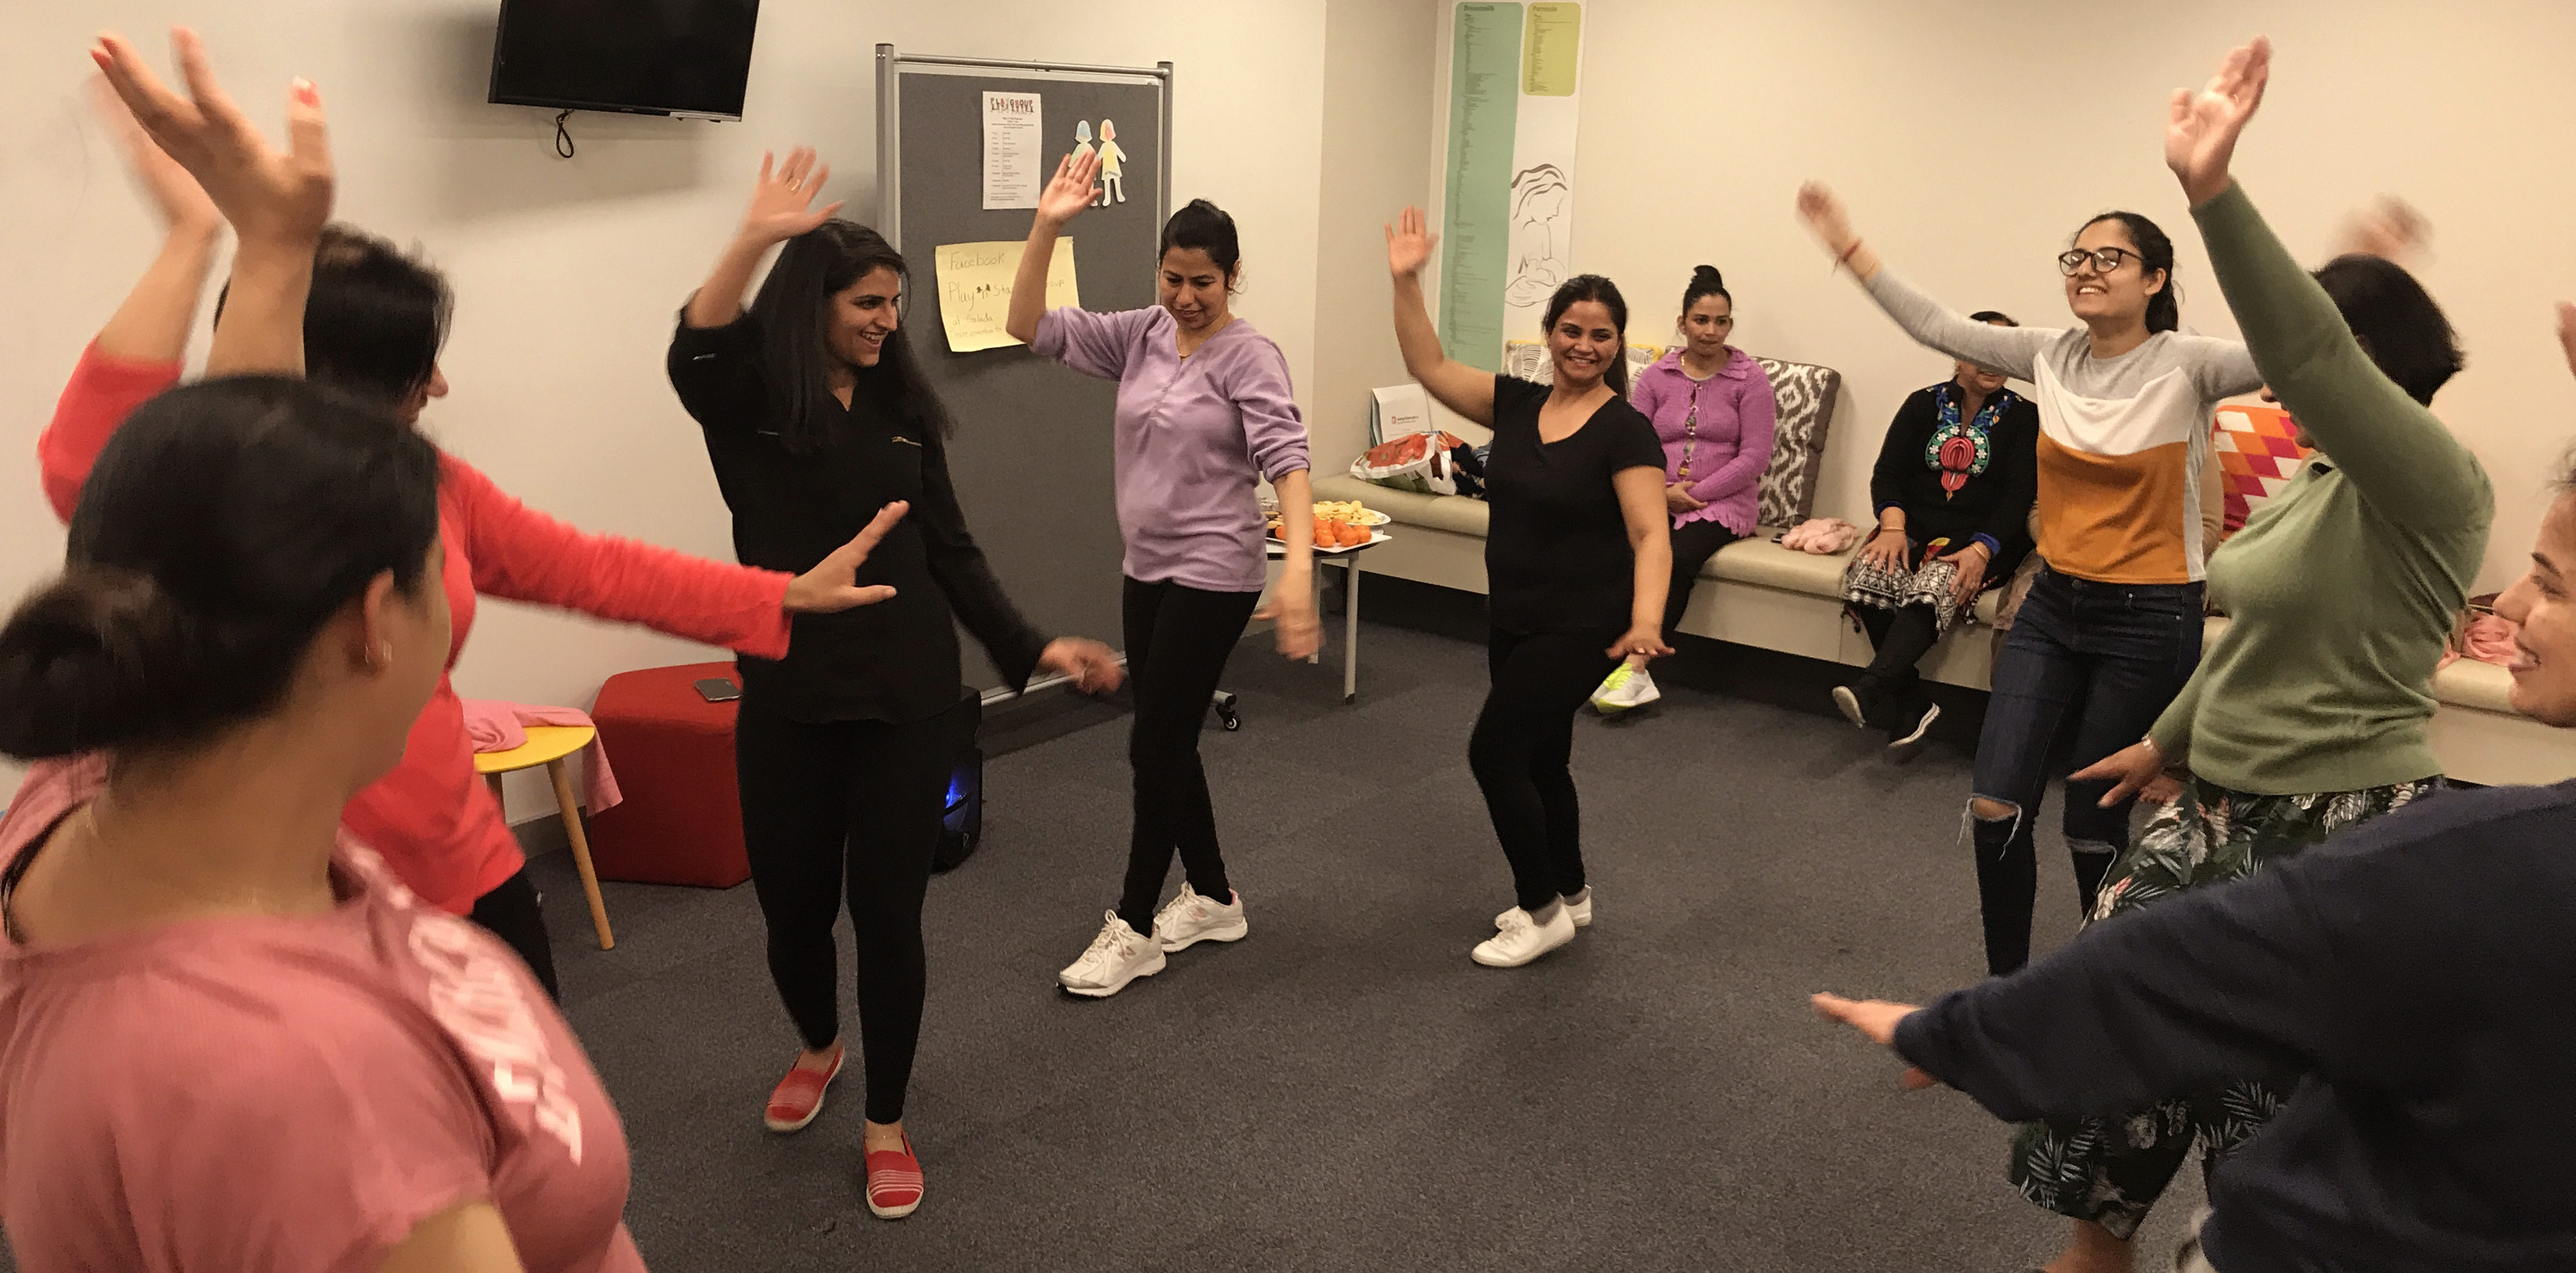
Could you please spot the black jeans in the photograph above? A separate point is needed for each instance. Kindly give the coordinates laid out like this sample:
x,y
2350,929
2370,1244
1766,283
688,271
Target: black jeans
x,y
511,913
1522,749
1693,545
855,805
1178,639
2085,672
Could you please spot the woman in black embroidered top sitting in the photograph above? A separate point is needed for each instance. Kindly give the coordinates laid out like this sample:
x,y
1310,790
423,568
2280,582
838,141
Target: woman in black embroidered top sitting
x,y
1953,487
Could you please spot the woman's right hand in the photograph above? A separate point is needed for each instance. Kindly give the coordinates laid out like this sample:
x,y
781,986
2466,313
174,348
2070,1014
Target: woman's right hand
x,y
782,199
2132,771
1409,243
1075,184
1678,500
1885,550
275,199
1825,217
2567,332
182,203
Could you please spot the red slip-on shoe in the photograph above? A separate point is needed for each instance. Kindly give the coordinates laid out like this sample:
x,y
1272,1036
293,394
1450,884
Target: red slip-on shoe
x,y
894,1182
799,1096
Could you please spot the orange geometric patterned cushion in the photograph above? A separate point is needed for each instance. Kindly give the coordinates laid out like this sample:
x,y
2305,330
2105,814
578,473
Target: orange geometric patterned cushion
x,y
2257,456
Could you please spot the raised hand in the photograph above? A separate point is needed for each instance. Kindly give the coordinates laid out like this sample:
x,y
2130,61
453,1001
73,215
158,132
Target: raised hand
x,y
1409,243
1875,1018
2202,128
2388,228
175,195
2567,332
1074,186
1092,667
782,200
274,198
1823,212
832,585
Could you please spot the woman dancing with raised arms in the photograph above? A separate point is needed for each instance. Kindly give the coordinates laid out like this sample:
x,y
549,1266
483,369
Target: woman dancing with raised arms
x,y
1204,411
2112,625
816,416
1576,564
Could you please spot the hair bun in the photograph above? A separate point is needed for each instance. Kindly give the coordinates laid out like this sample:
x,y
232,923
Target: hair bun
x,y
1707,276
98,656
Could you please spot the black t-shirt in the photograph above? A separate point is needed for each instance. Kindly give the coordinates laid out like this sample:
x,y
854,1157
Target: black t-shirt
x,y
894,661
1556,553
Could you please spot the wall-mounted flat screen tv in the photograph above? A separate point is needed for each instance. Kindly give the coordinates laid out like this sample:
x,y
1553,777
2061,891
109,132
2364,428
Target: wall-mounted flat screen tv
x,y
645,57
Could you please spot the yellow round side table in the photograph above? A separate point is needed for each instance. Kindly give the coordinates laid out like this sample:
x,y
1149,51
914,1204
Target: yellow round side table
x,y
548,745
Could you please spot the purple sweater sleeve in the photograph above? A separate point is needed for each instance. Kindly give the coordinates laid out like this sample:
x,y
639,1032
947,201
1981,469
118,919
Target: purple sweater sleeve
x,y
1093,344
1274,434
1757,415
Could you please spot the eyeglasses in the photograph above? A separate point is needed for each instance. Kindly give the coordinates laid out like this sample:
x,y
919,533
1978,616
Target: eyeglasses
x,y
2105,260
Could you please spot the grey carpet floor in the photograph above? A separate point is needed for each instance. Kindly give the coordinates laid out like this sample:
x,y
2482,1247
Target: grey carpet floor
x,y
1344,1089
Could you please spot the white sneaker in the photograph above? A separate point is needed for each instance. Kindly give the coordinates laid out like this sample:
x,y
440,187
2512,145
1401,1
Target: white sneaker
x,y
1194,917
1580,912
1117,956
1624,688
1523,939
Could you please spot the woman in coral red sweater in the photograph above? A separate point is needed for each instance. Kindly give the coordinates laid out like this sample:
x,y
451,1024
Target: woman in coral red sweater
x,y
374,326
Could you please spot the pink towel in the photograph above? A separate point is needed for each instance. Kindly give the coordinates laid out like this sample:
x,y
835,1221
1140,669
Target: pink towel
x,y
1823,536
491,725
2489,638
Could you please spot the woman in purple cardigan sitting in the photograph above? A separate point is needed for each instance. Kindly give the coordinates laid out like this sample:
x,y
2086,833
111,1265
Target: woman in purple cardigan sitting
x,y
1712,406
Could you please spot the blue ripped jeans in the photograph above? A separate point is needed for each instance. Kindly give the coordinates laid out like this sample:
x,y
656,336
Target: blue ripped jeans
x,y
2085,671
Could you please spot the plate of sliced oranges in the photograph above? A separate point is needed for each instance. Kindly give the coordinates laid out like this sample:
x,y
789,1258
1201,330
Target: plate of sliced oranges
x,y
1339,526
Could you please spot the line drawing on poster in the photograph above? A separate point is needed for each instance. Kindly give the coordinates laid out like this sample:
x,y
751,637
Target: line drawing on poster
x,y
1541,196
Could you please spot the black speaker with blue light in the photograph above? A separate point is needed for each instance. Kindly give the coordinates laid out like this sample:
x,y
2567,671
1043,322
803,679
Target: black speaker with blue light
x,y
961,826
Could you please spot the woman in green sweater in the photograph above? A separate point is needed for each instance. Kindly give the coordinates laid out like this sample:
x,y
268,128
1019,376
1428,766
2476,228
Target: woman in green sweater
x,y
2308,715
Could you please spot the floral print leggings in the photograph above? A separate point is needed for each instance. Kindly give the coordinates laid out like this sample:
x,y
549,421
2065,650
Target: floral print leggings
x,y
2111,1170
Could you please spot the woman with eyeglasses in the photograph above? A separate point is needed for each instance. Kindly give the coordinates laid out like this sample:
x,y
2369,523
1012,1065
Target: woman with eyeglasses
x,y
1712,406
2111,627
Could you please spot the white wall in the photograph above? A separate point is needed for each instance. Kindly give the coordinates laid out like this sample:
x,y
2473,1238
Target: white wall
x,y
568,272
1970,137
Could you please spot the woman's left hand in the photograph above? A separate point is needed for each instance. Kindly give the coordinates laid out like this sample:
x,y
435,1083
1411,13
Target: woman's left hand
x,y
1292,612
1644,640
1678,498
833,584
1877,1019
1091,666
2201,132
2132,770
1970,580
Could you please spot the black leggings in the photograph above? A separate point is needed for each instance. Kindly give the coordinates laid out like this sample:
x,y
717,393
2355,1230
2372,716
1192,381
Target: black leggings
x,y
1178,639
1693,545
1522,750
1902,638
855,803
511,913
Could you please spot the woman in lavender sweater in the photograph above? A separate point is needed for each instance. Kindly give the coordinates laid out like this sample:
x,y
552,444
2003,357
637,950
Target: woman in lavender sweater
x,y
1204,412
1712,406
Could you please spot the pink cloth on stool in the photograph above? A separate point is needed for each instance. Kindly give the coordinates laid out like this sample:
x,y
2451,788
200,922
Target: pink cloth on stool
x,y
491,725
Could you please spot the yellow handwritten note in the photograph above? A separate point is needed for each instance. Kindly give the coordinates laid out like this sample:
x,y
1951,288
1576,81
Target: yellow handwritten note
x,y
1552,51
975,289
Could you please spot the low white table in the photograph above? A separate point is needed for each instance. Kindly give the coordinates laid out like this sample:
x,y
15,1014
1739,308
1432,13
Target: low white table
x,y
1349,560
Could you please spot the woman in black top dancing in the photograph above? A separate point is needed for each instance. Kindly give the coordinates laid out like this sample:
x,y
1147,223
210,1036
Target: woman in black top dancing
x,y
1576,563
816,417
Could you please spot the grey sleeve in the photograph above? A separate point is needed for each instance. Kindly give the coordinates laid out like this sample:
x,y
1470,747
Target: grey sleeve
x,y
2222,368
2013,350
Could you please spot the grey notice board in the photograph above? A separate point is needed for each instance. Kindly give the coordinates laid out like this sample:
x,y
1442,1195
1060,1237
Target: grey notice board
x,y
1032,456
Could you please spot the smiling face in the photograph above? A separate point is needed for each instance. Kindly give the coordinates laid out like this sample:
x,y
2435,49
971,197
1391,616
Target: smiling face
x,y
1191,286
2118,296
2543,604
1706,325
863,315
1581,344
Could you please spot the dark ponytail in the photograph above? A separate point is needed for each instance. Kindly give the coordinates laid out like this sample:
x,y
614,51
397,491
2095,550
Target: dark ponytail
x,y
1593,287
1206,227
2155,252
1706,281
224,524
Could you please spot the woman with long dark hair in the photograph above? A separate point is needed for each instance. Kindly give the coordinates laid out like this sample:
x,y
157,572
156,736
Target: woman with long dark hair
x,y
374,327
2112,626
1576,564
817,418
229,1037
1205,411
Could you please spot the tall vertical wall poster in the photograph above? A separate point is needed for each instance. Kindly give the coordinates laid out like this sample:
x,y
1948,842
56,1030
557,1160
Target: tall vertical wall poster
x,y
1508,210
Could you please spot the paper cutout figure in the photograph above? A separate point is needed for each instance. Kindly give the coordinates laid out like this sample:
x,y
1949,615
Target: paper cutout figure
x,y
1540,197
1082,140
1111,157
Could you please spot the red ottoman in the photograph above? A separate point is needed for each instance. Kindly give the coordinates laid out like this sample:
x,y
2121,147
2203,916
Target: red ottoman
x,y
681,820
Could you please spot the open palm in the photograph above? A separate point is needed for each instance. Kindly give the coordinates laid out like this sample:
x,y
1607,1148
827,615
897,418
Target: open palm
x,y
782,200
175,194
1409,243
2201,132
1823,212
271,196
1074,186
